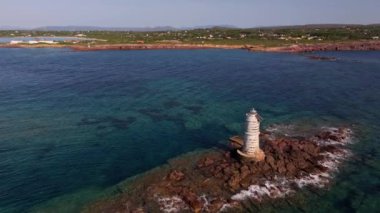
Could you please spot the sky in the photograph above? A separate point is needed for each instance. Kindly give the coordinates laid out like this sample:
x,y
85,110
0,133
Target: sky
x,y
186,13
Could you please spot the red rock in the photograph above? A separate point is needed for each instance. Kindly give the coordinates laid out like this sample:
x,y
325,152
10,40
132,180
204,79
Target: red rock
x,y
176,176
310,147
270,160
208,162
246,182
301,164
234,182
227,155
224,165
281,169
227,171
216,205
139,210
244,171
305,155
321,168
216,170
205,162
291,169
266,167
192,200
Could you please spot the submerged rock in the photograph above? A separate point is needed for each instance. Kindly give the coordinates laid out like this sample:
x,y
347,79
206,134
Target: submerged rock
x,y
321,58
218,180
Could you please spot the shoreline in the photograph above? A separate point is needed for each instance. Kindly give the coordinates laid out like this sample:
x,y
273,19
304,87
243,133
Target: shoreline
x,y
295,48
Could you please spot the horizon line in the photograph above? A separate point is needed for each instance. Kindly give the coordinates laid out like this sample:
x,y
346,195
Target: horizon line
x,y
182,27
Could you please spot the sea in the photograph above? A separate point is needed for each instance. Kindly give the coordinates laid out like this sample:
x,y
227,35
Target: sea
x,y
74,124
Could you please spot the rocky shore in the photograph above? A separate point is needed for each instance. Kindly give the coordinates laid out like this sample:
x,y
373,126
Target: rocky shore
x,y
296,48
218,180
153,47
338,46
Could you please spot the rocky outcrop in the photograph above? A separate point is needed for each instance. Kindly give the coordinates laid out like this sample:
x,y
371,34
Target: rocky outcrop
x,y
220,180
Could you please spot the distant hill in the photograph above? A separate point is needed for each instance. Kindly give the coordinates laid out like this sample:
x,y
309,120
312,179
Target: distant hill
x,y
311,26
135,29
12,28
169,28
212,27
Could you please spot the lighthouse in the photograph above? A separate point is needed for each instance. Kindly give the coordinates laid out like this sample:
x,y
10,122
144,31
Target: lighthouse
x,y
251,148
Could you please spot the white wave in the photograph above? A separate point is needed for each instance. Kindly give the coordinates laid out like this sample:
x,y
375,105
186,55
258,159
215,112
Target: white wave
x,y
225,207
172,204
206,203
280,128
277,188
317,180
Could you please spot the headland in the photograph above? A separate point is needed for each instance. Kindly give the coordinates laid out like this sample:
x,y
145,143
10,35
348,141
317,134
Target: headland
x,y
295,39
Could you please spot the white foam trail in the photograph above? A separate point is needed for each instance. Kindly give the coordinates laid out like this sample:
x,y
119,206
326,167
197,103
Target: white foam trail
x,y
319,180
280,128
172,204
206,203
277,188
225,207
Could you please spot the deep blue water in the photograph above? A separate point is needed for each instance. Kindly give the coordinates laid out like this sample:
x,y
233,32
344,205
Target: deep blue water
x,y
75,123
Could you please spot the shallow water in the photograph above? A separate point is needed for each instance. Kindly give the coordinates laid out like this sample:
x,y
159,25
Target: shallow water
x,y
75,123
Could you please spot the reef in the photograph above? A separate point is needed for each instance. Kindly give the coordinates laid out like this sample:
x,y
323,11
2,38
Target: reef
x,y
219,180
321,58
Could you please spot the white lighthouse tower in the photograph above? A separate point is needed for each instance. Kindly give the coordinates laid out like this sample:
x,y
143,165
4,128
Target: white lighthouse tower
x,y
251,148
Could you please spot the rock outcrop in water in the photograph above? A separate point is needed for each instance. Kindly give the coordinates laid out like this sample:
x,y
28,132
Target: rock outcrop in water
x,y
321,58
218,180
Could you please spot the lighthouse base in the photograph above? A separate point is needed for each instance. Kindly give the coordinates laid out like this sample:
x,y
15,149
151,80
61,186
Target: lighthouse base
x,y
258,155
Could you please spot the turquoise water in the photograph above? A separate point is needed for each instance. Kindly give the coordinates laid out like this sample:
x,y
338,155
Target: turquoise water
x,y
75,123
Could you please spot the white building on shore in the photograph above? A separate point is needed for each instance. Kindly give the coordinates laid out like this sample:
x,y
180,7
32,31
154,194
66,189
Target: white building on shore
x,y
32,42
16,42
42,42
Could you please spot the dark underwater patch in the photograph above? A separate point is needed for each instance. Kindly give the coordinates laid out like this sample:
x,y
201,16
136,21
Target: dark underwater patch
x,y
171,104
108,122
45,151
157,115
194,109
154,114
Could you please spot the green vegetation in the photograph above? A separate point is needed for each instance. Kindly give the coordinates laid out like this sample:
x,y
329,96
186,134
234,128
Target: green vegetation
x,y
256,36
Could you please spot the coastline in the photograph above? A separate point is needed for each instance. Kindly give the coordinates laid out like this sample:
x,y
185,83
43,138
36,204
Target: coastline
x,y
294,48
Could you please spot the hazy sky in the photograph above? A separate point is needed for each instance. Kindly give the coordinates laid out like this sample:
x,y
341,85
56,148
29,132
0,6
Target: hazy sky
x,y
180,13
